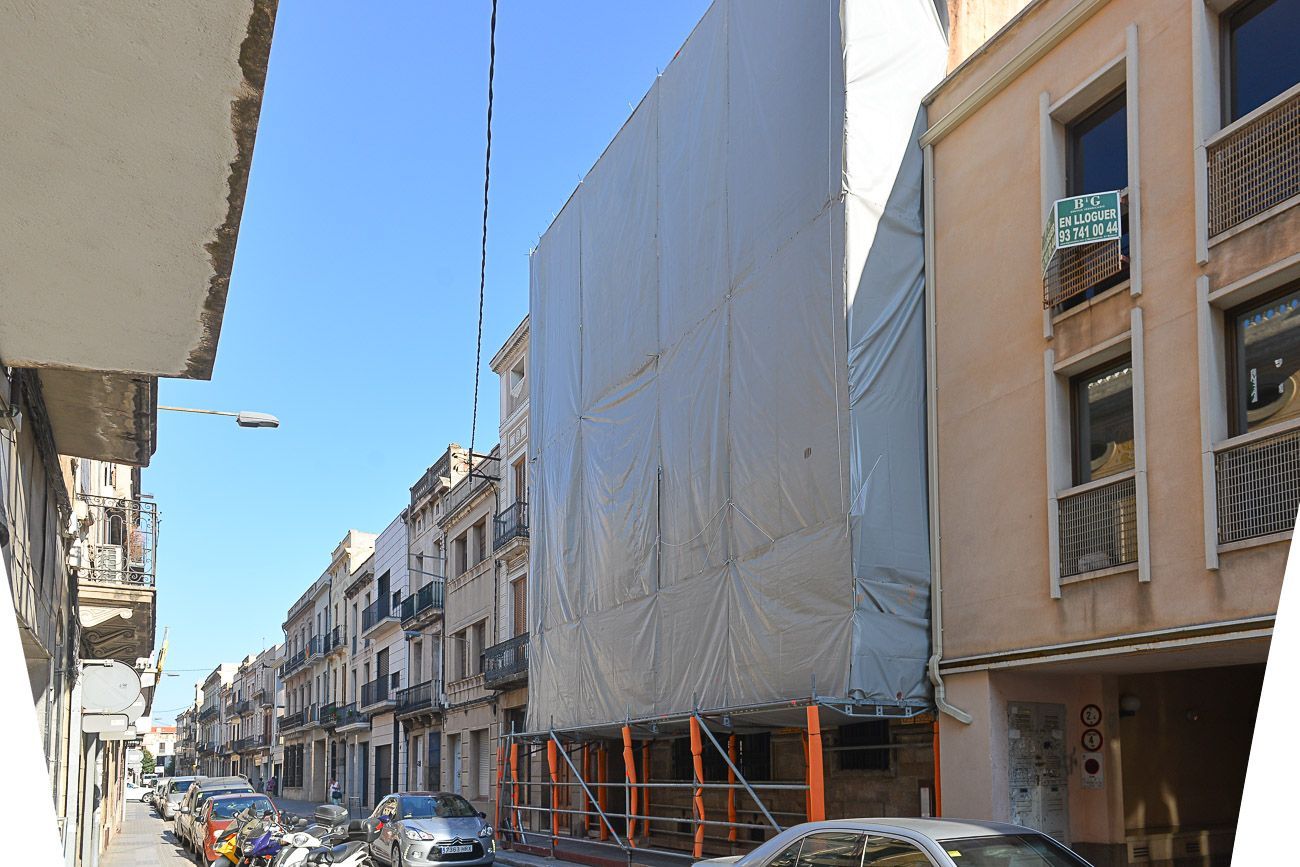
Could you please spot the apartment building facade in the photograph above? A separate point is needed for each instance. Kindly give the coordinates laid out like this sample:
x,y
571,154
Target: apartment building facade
x,y
352,726
1115,435
420,702
471,716
506,660
214,747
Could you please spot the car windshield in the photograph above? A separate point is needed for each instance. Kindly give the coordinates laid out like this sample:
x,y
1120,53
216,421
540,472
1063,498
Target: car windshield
x,y
1019,850
203,796
435,806
226,808
181,786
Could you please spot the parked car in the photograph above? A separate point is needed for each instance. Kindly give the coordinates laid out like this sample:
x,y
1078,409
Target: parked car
x,y
137,793
159,794
217,813
172,795
906,843
187,817
428,828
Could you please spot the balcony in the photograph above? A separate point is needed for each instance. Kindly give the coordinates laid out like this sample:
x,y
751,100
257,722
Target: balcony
x,y
1253,164
315,647
1258,478
335,640
209,711
421,697
251,743
426,600
348,718
376,696
205,748
113,558
510,524
1097,525
1074,272
311,716
378,612
293,663
506,664
291,721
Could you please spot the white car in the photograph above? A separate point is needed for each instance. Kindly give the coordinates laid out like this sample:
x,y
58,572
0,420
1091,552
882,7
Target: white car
x,y
905,843
138,793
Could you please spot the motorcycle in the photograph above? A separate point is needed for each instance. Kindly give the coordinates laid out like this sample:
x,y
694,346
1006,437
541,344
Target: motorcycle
x,y
251,840
318,844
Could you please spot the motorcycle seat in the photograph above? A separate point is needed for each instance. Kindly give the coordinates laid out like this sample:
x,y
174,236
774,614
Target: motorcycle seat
x,y
343,851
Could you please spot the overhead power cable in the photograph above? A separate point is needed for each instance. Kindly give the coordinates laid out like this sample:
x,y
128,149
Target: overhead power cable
x,y
482,274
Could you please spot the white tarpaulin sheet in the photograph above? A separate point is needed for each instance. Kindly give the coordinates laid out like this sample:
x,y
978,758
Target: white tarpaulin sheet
x,y
727,379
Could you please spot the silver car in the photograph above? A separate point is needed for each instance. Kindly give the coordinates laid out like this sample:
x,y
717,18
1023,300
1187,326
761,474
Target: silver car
x,y
170,800
412,829
906,843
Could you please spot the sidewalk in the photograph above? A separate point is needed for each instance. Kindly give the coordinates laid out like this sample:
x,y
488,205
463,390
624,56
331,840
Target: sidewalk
x,y
581,853
144,841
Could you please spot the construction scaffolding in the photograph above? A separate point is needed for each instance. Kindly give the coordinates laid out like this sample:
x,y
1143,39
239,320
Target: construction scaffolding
x,y
599,788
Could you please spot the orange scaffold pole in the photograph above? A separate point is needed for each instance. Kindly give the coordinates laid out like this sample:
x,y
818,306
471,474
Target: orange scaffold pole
x,y
551,759
697,753
816,783
629,764
514,789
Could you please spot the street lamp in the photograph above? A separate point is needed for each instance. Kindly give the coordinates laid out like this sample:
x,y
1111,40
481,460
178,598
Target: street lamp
x,y
244,418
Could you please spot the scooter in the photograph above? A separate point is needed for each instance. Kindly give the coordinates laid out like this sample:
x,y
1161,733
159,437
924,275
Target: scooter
x,y
250,841
317,844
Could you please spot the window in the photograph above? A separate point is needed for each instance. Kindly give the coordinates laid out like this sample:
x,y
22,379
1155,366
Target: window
x,y
460,553
832,849
519,600
1261,60
480,541
888,852
788,857
397,600
1264,360
753,758
521,480
873,740
478,644
1103,422
1098,143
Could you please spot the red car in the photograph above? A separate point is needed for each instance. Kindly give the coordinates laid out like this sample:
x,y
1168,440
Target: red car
x,y
220,810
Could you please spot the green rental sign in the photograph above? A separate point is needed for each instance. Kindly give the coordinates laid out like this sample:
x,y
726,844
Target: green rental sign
x,y
1080,220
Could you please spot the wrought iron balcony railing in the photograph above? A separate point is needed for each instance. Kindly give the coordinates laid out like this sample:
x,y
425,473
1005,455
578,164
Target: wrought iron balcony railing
x,y
1258,478
293,663
242,708
315,646
506,662
209,711
427,598
121,540
292,721
348,715
422,696
377,612
375,693
1253,164
510,523
1097,525
335,639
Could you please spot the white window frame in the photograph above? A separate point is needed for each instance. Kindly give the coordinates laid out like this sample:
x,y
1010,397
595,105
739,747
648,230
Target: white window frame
x,y
1060,439
1212,336
1121,72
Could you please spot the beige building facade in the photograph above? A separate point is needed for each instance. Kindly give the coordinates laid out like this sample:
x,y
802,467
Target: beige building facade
x,y
1114,431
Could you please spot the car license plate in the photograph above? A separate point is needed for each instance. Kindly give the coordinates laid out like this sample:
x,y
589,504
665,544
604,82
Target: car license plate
x,y
455,850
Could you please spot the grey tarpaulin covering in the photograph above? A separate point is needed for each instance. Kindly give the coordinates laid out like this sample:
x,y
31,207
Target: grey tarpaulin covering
x,y
727,379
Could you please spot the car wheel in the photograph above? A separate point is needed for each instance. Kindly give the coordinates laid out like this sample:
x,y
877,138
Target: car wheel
x,y
397,856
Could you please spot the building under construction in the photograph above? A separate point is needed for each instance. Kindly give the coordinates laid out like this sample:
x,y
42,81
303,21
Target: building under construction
x,y
729,596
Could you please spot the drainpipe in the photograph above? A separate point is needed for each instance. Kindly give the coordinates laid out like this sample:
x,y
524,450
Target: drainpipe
x,y
932,449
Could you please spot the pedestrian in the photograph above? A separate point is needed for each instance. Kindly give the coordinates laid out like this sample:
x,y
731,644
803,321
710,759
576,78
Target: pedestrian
x,y
271,785
336,793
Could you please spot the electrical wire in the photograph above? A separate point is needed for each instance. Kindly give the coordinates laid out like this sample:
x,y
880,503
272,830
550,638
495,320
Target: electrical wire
x,y
482,275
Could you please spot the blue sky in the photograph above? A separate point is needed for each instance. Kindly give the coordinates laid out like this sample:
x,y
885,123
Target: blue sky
x,y
353,303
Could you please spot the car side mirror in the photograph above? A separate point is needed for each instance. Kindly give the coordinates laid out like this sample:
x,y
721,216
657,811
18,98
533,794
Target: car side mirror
x,y
482,815
185,811
372,831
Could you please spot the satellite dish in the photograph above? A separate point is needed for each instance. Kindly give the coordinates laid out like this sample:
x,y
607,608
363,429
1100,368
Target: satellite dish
x,y
108,686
